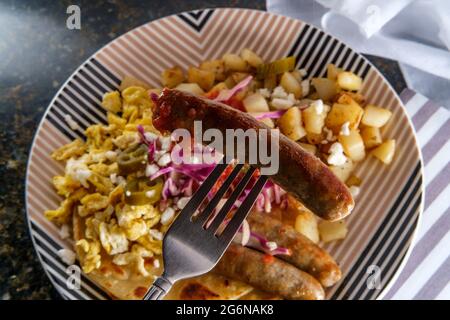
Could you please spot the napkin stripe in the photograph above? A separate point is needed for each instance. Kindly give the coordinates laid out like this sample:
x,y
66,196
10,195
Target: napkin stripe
x,y
436,283
410,283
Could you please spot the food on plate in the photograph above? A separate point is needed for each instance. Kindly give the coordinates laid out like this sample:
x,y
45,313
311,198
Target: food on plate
x,y
120,189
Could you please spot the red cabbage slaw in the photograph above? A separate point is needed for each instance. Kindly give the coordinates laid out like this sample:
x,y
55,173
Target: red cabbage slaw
x,y
227,94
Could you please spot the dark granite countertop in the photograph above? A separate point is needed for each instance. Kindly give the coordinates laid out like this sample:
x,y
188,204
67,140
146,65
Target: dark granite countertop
x,y
37,54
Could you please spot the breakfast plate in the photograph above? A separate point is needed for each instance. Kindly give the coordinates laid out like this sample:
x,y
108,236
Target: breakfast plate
x,y
388,206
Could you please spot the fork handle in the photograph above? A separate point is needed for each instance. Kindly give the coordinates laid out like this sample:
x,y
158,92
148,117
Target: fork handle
x,y
159,289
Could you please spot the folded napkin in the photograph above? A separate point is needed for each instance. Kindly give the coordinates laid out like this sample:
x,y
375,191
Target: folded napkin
x,y
427,271
414,32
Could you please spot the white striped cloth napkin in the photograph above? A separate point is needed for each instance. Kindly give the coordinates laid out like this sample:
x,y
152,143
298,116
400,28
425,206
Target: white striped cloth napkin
x,y
427,272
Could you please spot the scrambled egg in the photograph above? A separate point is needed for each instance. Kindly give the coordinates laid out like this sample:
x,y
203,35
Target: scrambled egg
x,y
93,188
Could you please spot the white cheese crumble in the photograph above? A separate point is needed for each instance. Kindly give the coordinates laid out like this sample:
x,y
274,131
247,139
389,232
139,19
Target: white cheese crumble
x,y
291,98
264,92
128,193
150,136
305,87
281,103
279,92
167,216
336,157
72,124
79,171
111,155
156,263
303,72
271,245
318,106
155,234
67,256
150,193
151,169
181,203
330,137
164,160
354,190
64,232
345,129
165,143
113,178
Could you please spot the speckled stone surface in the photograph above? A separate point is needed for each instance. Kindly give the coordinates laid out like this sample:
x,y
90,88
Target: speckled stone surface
x,y
37,54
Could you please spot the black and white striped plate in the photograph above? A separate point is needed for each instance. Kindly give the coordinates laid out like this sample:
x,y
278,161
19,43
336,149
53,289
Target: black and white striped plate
x,y
382,226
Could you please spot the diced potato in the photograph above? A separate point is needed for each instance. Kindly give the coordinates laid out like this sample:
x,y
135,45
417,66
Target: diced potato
x,y
332,72
234,62
357,97
239,76
128,81
346,98
251,58
229,81
371,137
353,181
314,138
343,172
385,152
349,81
290,124
313,96
342,113
193,88
172,77
270,82
375,116
267,121
309,147
326,88
255,103
216,66
306,224
332,230
314,121
205,79
291,85
353,145
112,102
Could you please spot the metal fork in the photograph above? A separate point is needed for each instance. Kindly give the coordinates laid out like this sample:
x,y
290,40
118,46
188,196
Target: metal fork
x,y
192,245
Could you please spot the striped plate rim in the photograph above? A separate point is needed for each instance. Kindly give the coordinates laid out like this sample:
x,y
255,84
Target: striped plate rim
x,y
188,38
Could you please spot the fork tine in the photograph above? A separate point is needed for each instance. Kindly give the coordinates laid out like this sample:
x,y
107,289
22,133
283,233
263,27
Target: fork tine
x,y
202,192
232,227
204,215
231,200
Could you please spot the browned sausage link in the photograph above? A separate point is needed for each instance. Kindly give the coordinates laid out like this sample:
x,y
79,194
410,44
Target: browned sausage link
x,y
300,173
270,275
306,255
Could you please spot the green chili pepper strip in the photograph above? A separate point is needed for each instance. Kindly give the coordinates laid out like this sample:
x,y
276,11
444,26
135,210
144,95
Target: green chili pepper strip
x,y
142,191
132,159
